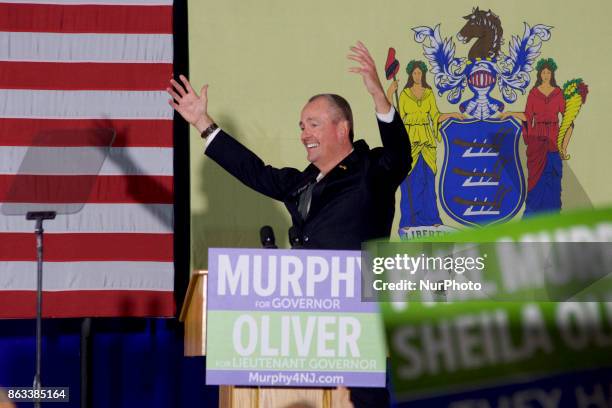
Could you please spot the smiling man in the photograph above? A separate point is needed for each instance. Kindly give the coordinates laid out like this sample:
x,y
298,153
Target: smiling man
x,y
325,121
346,195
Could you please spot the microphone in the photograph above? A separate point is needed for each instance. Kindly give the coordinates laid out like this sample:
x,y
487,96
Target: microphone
x,y
266,235
294,238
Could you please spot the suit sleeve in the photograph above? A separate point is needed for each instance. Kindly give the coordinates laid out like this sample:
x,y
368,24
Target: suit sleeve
x,y
396,157
247,167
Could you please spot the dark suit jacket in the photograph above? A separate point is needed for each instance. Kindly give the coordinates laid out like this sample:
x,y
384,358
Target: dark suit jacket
x,y
354,202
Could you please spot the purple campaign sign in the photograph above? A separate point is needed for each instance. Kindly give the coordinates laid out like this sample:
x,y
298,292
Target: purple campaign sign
x,y
295,309
285,280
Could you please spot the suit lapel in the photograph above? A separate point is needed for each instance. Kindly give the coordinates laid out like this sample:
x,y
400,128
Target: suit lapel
x,y
343,169
338,173
308,175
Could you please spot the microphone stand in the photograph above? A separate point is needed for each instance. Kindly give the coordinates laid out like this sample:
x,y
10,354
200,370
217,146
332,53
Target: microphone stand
x,y
39,217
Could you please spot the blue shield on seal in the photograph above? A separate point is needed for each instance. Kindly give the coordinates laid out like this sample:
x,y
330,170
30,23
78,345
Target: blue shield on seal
x,y
482,179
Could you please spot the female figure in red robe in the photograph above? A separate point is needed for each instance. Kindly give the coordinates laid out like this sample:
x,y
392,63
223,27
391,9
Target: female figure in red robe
x,y
540,130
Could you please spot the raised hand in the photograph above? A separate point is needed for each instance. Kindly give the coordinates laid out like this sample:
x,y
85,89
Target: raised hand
x,y
191,106
367,70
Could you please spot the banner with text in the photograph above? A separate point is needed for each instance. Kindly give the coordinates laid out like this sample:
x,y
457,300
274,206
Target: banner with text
x,y
291,318
470,351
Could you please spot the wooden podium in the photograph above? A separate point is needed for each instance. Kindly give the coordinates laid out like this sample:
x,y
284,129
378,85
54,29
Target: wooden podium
x,y
193,315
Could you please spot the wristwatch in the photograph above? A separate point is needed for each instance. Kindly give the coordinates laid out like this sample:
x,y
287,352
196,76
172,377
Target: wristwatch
x,y
208,131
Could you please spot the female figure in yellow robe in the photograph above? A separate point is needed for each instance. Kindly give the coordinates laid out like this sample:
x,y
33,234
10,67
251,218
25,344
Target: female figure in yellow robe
x,y
418,109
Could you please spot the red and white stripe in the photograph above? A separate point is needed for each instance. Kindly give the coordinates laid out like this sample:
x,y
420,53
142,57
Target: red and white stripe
x,y
481,79
68,66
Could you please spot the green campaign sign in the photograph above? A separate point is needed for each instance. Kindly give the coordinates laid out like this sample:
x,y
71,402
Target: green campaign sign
x,y
448,344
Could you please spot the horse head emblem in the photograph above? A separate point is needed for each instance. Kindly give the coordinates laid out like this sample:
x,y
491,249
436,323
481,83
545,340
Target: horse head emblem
x,y
486,27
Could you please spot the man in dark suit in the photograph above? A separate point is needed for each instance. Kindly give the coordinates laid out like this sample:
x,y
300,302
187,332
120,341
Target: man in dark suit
x,y
346,195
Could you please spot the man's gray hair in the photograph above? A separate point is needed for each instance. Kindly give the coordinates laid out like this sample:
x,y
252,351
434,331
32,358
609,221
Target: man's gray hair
x,y
342,107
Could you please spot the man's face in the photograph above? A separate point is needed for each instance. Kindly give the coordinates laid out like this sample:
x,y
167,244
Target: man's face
x,y
321,134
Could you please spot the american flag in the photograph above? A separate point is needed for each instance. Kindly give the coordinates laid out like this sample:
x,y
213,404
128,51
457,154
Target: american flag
x,y
70,65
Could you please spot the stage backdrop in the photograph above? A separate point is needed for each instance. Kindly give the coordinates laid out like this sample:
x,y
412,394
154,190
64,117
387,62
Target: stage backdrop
x,y
264,59
67,67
